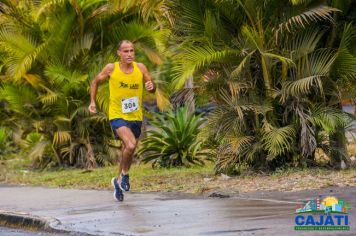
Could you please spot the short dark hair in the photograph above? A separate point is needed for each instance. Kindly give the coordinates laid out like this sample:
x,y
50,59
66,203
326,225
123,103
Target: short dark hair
x,y
121,42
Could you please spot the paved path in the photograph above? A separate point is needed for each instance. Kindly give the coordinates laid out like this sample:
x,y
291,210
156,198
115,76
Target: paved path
x,y
96,213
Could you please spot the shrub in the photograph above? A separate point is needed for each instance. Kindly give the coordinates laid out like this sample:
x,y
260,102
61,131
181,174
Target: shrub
x,y
173,141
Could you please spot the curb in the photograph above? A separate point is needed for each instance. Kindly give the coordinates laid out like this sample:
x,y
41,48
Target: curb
x,y
27,221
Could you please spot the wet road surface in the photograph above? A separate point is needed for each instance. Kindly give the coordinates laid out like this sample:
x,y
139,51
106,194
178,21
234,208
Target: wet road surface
x,y
95,212
4,231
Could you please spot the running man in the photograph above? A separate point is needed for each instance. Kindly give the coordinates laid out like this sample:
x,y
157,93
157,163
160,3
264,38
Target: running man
x,y
126,80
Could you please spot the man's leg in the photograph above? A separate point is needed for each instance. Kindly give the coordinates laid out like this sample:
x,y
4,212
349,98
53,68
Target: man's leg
x,y
129,143
118,192
130,162
119,155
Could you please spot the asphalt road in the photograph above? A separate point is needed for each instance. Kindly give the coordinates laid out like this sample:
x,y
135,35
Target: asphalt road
x,y
96,213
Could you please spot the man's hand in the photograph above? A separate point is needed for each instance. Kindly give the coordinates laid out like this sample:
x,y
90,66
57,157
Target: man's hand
x,y
92,108
149,86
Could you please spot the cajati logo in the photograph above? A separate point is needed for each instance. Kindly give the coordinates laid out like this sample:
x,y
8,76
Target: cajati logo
x,y
327,213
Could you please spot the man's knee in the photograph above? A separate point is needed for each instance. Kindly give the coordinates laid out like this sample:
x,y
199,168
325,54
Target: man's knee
x,y
130,146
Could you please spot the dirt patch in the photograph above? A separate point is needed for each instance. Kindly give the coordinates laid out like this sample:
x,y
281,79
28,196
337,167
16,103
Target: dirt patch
x,y
286,182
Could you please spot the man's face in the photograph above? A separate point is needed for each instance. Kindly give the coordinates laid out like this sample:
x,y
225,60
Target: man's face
x,y
126,53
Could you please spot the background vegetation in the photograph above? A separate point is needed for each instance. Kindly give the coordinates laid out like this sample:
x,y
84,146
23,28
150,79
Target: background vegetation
x,y
275,78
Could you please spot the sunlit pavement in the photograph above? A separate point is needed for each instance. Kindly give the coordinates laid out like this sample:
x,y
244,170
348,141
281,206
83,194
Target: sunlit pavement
x,y
96,212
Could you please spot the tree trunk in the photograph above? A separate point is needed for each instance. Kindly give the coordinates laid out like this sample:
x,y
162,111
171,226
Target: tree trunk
x,y
90,162
190,101
339,153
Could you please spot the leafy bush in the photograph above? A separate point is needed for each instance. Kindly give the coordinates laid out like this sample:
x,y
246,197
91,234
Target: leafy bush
x,y
46,97
173,141
276,81
6,145
2,140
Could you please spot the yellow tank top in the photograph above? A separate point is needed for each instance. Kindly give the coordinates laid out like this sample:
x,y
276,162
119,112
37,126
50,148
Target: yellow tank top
x,y
126,94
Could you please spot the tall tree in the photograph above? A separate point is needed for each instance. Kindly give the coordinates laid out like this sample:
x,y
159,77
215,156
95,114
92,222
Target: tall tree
x,y
271,74
50,52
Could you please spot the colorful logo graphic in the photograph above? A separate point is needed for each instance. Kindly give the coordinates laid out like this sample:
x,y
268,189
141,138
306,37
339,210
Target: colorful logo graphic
x,y
327,213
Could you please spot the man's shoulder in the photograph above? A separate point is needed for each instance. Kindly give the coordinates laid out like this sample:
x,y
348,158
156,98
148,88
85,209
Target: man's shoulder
x,y
141,66
110,66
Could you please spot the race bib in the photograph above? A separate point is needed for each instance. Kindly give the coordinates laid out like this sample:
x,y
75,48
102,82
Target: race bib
x,y
129,105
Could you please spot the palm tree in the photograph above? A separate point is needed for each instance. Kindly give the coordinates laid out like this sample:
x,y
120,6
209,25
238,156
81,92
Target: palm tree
x,y
51,50
274,80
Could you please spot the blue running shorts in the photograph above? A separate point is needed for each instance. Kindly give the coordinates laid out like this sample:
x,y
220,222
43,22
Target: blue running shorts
x,y
133,125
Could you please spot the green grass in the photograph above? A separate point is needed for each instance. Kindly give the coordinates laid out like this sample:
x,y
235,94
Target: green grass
x,y
196,180
143,177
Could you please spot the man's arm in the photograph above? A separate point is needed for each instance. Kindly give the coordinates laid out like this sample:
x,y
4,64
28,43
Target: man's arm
x,y
104,74
149,84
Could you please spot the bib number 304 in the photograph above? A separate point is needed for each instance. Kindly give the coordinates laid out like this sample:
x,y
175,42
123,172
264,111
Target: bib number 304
x,y
129,105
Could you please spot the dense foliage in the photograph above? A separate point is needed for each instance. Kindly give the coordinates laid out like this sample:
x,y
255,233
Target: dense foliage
x,y
50,50
277,77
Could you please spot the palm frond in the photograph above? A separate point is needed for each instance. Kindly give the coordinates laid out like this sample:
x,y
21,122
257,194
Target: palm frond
x,y
194,58
81,46
348,35
301,87
33,79
314,68
321,62
20,99
186,16
303,43
345,63
103,98
244,62
163,102
300,2
63,79
238,88
58,75
279,140
32,138
329,119
99,118
37,151
24,51
150,9
81,111
253,38
61,137
61,28
62,123
238,143
49,98
90,5
47,5
282,59
314,14
152,54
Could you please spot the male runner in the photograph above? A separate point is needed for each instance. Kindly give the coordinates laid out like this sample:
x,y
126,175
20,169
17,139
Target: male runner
x,y
126,79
